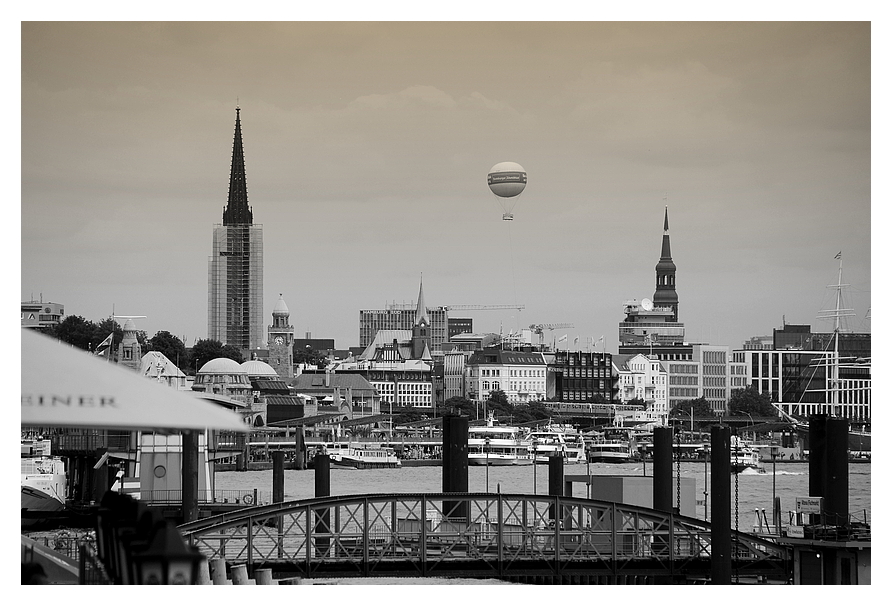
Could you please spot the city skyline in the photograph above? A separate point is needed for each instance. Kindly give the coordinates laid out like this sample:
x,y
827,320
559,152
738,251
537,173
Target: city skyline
x,y
367,147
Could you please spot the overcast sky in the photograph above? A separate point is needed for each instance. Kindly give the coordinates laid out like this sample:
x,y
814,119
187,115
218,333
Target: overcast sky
x,y
367,147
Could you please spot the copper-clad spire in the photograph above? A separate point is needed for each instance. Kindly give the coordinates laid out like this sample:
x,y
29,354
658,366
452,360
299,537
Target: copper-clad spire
x,y
237,211
420,310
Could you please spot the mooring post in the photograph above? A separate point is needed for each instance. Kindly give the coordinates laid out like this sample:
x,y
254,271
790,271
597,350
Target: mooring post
x,y
817,460
278,476
836,503
555,481
190,476
322,467
720,447
455,463
300,461
662,465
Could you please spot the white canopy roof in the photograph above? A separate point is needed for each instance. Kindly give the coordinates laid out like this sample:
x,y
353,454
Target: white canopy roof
x,y
66,387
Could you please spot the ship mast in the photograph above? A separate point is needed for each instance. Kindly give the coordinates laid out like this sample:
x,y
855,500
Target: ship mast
x,y
832,364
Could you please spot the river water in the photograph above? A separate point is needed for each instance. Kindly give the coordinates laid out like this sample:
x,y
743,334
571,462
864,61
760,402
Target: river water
x,y
753,490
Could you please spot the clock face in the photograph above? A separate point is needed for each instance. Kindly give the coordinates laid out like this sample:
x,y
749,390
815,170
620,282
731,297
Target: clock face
x,y
279,340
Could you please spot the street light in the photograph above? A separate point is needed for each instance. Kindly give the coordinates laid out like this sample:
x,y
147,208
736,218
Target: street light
x,y
534,444
486,446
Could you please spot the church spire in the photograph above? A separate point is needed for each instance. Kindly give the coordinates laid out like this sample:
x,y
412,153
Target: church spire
x,y
237,211
420,310
665,295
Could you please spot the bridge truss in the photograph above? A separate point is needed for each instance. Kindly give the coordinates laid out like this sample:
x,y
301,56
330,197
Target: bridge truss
x,y
508,536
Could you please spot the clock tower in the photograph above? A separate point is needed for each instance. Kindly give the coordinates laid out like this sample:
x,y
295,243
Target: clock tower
x,y
281,341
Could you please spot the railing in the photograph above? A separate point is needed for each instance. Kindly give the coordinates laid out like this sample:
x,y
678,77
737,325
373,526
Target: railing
x,y
235,497
476,534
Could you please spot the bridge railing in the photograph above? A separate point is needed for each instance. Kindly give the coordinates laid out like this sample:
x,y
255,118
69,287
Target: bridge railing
x,y
430,532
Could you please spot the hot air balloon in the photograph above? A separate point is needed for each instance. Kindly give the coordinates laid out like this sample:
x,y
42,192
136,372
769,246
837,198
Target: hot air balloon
x,y
507,180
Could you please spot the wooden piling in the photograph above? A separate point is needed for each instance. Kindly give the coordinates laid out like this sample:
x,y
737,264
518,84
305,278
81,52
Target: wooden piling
x,y
264,576
218,572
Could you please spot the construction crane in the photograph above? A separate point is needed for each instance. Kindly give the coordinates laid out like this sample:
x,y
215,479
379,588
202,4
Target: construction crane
x,y
540,328
451,307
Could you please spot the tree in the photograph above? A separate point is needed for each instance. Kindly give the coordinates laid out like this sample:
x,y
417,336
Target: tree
x,y
636,402
171,346
459,405
700,407
79,332
310,356
497,404
206,350
749,401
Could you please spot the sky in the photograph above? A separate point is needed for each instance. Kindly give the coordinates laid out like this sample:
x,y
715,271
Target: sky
x,y
367,146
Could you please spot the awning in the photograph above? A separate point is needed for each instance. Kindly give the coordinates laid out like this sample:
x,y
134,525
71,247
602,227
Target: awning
x,y
63,386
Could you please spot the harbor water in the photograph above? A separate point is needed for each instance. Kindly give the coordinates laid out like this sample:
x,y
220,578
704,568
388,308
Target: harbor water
x,y
750,490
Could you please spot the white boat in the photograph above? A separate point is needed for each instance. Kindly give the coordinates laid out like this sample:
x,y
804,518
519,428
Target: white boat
x,y
43,482
493,444
557,440
612,445
744,456
359,455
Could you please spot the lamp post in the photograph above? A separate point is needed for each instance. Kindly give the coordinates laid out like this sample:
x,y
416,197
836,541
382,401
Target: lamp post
x,y
167,560
535,443
486,446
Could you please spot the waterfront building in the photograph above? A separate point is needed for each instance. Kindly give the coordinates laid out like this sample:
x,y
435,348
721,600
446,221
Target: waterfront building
x,y
225,378
155,365
346,391
129,349
37,314
521,375
759,342
281,341
641,377
235,267
800,382
651,328
654,321
581,376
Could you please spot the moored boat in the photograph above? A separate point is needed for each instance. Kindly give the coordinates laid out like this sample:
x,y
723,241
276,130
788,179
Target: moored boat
x,y
359,455
43,482
557,440
612,445
494,444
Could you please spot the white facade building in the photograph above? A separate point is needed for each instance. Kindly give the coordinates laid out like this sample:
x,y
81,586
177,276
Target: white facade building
x,y
644,378
521,375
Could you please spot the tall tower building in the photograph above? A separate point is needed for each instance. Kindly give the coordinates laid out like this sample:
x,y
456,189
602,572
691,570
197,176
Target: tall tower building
x,y
281,341
235,267
665,295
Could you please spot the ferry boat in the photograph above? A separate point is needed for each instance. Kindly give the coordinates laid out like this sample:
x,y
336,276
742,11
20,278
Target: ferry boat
x,y
493,444
612,445
358,455
744,456
557,440
43,482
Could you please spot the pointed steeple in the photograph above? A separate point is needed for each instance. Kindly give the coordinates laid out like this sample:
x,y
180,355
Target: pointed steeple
x,y
237,211
666,253
420,309
665,295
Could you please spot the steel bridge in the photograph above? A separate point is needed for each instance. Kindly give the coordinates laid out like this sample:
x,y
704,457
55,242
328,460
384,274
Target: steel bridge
x,y
514,537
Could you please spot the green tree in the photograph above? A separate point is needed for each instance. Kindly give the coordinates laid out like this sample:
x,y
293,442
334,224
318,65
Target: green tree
x,y
79,332
459,405
750,401
310,356
700,407
637,402
206,350
171,346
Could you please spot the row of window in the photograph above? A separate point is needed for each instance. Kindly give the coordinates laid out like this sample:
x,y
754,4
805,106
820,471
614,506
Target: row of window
x,y
513,372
